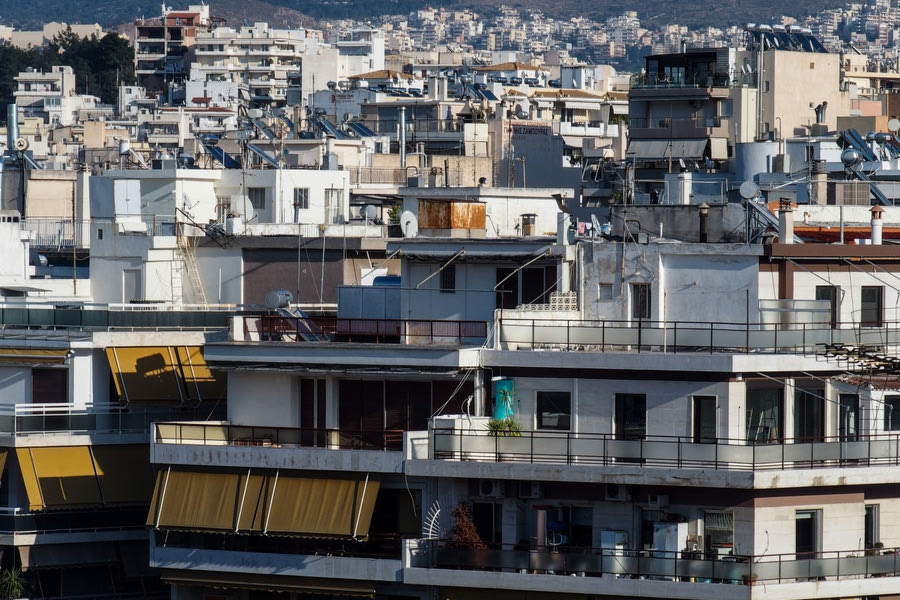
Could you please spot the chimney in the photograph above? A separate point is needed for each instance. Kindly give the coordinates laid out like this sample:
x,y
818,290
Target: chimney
x,y
704,220
785,221
877,224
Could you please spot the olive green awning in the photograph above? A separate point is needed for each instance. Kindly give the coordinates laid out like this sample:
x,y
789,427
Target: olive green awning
x,y
251,502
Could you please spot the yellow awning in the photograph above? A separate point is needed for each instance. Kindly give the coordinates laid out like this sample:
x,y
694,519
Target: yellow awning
x,y
32,356
163,374
76,476
270,503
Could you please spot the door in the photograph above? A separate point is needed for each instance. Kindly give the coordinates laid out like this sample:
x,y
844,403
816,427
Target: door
x,y
704,419
807,533
848,425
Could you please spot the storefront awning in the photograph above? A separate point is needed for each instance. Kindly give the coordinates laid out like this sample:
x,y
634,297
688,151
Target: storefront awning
x,y
79,476
663,149
175,374
263,502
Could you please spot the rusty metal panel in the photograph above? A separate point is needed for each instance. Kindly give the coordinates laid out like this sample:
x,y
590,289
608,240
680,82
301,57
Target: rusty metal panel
x,y
434,214
467,215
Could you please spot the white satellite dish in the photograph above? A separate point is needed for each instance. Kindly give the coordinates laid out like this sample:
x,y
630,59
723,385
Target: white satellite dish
x,y
409,224
749,190
369,212
894,125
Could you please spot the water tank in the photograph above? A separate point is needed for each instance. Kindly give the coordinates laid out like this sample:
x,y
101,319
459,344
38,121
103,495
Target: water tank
x,y
278,299
124,147
387,281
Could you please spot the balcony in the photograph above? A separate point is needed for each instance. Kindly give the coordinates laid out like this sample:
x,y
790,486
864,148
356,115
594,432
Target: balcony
x,y
77,320
646,81
226,445
651,572
604,450
674,337
377,331
57,233
699,127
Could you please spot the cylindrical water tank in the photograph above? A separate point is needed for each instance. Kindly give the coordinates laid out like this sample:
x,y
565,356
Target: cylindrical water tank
x,y
124,147
278,299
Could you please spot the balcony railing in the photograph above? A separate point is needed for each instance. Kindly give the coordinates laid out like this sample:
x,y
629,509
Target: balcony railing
x,y
52,419
692,567
600,449
681,124
654,81
226,434
379,331
688,336
58,233
75,319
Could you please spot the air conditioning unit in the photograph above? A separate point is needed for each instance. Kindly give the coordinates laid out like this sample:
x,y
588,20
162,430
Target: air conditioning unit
x,y
617,493
531,489
491,488
657,500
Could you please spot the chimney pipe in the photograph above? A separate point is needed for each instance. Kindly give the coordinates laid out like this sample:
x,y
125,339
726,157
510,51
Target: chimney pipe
x,y
402,137
785,221
12,126
704,220
877,224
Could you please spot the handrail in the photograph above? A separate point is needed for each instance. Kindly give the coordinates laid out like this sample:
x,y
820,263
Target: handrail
x,y
226,434
338,329
681,566
603,449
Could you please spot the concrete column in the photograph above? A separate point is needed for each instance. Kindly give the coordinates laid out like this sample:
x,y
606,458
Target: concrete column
x,y
785,222
479,394
877,225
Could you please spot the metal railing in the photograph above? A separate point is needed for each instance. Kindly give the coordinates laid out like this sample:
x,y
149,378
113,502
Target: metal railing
x,y
600,449
75,318
686,566
57,233
666,123
688,336
51,419
381,331
226,434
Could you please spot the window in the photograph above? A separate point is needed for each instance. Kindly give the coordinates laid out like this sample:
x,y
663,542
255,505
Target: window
x,y
334,205
257,197
448,279
871,310
849,417
809,415
718,530
631,416
808,534
554,410
892,413
49,386
301,198
831,293
872,526
640,300
605,291
704,419
765,415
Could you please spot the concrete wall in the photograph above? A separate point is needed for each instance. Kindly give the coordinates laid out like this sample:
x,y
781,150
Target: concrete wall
x,y
474,299
264,399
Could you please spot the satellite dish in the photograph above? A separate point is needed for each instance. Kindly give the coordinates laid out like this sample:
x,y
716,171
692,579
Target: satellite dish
x,y
21,144
409,224
894,125
749,190
369,212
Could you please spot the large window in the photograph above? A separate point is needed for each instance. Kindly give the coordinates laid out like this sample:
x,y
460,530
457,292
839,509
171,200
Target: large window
x,y
871,313
301,202
765,415
892,413
49,386
554,410
531,285
631,416
848,426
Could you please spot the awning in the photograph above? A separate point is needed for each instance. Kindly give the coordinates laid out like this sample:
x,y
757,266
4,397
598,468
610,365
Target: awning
x,y
662,149
253,502
713,521
79,476
256,581
176,374
32,356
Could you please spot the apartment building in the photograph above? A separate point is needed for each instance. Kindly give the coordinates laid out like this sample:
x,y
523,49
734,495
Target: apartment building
x,y
691,420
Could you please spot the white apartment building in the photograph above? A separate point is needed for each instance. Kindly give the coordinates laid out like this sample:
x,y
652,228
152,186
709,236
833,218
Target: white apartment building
x,y
52,96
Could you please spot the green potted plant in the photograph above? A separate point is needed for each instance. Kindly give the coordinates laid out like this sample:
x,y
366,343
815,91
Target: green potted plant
x,y
12,584
508,427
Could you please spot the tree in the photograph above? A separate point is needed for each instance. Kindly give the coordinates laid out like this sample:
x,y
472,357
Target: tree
x,y
464,535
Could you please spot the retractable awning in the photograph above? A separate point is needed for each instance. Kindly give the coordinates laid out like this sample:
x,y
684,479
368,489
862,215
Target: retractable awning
x,y
175,374
272,503
32,356
663,149
80,476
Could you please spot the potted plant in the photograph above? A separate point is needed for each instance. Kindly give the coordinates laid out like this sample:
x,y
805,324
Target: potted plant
x,y
12,584
507,427
464,536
